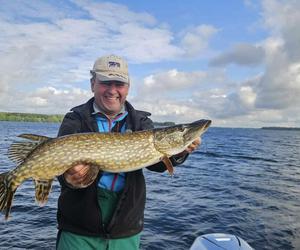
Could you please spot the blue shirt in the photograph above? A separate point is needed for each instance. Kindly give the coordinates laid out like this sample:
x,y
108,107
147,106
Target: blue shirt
x,y
111,181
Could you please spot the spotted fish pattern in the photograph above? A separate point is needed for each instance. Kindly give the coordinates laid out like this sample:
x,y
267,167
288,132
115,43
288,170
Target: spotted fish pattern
x,y
42,158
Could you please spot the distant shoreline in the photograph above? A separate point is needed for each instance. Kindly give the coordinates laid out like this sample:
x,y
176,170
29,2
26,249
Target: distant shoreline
x,y
29,117
280,128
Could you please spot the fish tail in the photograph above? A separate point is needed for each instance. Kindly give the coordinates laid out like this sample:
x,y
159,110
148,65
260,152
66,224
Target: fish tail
x,y
6,193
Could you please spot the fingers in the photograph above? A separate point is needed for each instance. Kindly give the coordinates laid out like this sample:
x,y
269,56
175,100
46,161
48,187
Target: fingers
x,y
77,174
193,146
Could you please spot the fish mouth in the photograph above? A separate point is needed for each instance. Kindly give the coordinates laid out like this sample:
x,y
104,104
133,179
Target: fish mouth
x,y
196,129
202,125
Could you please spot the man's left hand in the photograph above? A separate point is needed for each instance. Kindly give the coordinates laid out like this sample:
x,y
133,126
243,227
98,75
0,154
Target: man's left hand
x,y
190,148
193,146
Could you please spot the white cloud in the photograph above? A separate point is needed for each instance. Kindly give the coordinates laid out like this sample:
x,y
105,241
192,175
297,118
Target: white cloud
x,y
283,18
167,109
279,87
196,40
57,47
182,96
50,43
274,95
105,13
48,100
46,52
171,81
143,44
27,11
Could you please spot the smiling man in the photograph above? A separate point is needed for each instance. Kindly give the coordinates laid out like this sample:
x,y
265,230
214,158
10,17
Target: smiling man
x,y
110,84
109,213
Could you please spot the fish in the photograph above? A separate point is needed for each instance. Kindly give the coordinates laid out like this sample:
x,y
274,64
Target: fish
x,y
42,158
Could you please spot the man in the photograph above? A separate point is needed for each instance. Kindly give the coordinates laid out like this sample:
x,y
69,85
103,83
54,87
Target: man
x,y
108,214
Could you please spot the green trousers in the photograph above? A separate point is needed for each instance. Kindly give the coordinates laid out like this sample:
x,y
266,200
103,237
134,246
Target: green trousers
x,y
107,201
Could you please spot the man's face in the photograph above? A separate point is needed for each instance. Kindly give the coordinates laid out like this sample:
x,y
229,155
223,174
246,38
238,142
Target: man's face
x,y
110,96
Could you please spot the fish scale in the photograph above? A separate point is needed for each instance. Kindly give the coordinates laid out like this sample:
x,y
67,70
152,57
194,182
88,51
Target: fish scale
x,y
43,158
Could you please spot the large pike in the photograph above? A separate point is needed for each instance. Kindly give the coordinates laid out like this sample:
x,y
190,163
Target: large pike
x,y
42,158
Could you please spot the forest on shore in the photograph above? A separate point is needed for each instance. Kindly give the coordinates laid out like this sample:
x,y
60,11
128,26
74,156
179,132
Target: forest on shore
x,y
29,117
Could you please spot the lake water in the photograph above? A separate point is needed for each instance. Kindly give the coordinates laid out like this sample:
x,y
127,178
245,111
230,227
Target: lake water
x,y
240,181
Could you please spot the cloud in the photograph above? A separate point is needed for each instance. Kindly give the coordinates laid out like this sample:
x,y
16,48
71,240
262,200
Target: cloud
x,y
105,13
240,54
238,103
46,100
279,87
184,96
49,44
273,95
29,11
283,18
46,52
170,81
234,100
144,45
269,97
166,109
196,40
54,46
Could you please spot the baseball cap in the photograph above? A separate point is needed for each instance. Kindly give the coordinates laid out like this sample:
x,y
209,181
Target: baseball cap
x,y
111,68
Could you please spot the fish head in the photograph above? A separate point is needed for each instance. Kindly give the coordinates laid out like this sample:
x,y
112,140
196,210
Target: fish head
x,y
175,139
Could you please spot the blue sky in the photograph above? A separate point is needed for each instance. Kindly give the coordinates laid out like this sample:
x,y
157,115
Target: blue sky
x,y
235,62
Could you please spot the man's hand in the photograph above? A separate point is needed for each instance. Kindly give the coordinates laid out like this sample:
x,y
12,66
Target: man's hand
x,y
77,174
190,148
193,146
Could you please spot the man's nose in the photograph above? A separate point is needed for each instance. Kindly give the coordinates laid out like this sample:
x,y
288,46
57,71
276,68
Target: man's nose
x,y
112,87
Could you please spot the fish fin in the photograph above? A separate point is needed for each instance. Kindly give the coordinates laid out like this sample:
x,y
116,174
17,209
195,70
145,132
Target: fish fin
x,y
19,151
42,190
6,194
33,137
168,164
91,175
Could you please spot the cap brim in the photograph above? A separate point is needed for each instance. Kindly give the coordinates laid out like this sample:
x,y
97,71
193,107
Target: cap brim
x,y
112,77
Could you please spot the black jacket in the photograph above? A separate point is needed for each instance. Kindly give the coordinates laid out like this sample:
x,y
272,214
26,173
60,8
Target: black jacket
x,y
78,209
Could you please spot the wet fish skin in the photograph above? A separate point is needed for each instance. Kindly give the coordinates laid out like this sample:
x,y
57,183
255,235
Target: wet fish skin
x,y
42,158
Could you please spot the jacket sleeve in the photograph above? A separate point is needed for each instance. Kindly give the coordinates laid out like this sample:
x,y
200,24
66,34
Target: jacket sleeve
x,y
147,123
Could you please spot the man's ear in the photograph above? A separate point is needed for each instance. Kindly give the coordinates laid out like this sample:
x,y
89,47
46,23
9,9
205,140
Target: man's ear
x,y
92,84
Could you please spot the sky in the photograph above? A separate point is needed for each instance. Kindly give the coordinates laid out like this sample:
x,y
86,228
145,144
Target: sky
x,y
234,62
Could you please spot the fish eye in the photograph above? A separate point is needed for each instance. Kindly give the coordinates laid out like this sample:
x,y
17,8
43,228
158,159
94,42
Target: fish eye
x,y
182,129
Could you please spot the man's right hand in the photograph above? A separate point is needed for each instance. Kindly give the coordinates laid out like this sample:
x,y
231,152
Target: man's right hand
x,y
77,174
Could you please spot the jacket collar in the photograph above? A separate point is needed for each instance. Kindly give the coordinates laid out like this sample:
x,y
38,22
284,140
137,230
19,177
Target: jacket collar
x,y
133,119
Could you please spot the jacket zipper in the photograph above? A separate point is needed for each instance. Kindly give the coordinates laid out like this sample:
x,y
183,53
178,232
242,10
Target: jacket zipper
x,y
102,225
110,224
121,198
114,182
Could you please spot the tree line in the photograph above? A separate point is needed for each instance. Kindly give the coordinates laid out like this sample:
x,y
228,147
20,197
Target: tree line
x,y
28,117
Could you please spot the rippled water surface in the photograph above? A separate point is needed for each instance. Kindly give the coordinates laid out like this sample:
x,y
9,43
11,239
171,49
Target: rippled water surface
x,y
241,181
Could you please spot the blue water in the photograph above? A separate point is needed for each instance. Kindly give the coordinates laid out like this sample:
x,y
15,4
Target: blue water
x,y
241,181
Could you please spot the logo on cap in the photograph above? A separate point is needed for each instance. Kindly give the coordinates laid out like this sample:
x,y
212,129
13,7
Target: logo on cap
x,y
114,65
